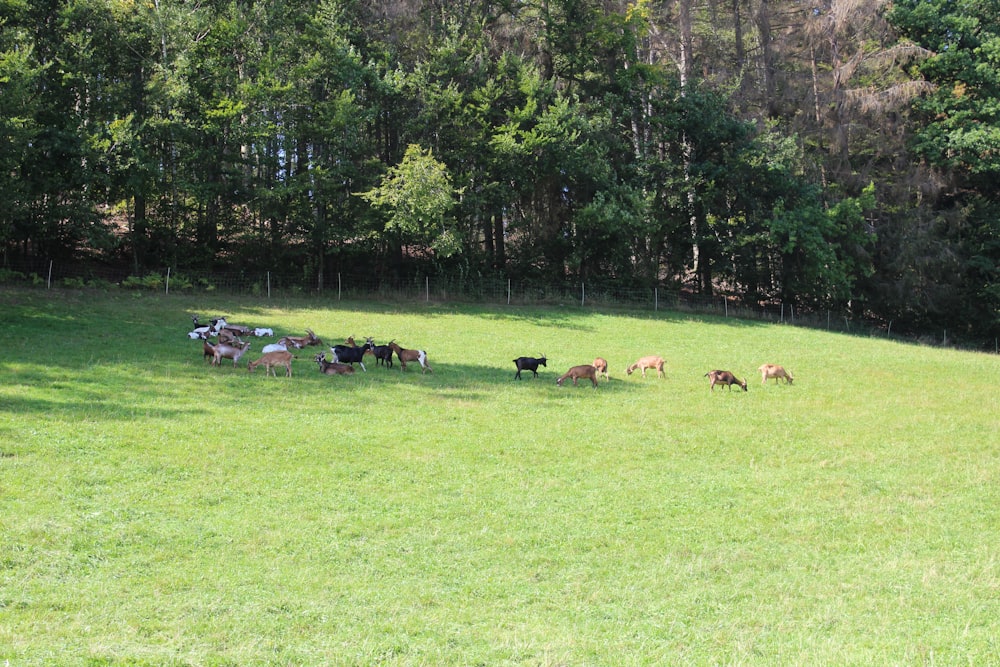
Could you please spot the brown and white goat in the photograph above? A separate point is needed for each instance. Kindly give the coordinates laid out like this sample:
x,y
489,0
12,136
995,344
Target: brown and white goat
x,y
768,371
642,364
576,372
272,359
332,367
299,342
726,378
601,364
227,351
406,356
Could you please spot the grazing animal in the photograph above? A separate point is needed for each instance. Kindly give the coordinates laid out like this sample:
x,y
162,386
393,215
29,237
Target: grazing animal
x,y
208,350
274,347
404,356
260,332
768,371
528,364
332,367
601,364
227,351
299,342
577,372
647,362
351,354
272,359
726,378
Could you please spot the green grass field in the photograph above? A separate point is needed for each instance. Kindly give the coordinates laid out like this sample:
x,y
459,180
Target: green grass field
x,y
157,511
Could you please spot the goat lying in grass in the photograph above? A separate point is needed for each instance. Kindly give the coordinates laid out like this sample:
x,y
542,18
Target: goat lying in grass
x,y
528,364
647,362
577,372
332,367
299,342
768,371
272,359
726,378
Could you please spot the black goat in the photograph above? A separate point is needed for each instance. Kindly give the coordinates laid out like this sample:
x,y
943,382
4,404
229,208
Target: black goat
x,y
528,364
347,354
382,353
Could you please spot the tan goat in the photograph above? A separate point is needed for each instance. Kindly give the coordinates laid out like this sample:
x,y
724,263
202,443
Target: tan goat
x,y
272,359
647,362
601,364
768,371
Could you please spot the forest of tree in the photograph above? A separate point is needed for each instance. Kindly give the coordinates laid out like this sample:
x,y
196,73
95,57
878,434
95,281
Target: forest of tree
x,y
834,154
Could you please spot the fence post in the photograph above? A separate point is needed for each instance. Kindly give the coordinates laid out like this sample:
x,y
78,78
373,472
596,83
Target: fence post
x,y
583,293
656,299
269,285
49,282
726,302
168,281
508,291
338,285
427,288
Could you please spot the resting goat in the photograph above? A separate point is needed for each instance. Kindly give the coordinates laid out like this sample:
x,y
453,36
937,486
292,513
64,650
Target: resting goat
x,y
272,359
601,364
577,372
726,378
647,362
299,342
274,347
768,371
528,364
260,332
332,367
405,356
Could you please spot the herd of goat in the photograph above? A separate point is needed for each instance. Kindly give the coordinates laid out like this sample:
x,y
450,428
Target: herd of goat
x,y
229,344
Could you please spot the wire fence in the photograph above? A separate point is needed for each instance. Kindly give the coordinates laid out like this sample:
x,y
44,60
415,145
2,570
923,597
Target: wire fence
x,y
443,289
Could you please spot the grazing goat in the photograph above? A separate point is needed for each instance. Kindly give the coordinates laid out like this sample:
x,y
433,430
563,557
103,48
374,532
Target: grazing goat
x,y
601,364
274,347
226,351
577,372
647,362
208,350
351,354
382,353
528,364
332,367
299,342
272,359
404,356
726,378
768,371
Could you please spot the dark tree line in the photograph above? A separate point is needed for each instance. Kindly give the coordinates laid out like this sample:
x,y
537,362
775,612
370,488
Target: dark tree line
x,y
837,154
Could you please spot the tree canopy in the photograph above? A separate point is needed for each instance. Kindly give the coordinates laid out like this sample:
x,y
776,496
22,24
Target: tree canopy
x,y
837,154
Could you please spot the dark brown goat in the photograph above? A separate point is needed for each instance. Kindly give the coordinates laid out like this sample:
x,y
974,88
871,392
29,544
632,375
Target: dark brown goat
x,y
726,378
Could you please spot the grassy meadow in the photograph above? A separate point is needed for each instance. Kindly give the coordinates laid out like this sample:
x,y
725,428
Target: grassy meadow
x,y
157,511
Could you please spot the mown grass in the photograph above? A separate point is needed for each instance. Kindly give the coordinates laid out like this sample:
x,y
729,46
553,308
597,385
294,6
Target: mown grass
x,y
157,511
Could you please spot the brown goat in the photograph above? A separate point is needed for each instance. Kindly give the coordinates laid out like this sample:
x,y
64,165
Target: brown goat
x,y
768,371
405,355
577,372
272,359
647,362
601,364
300,342
332,367
726,378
